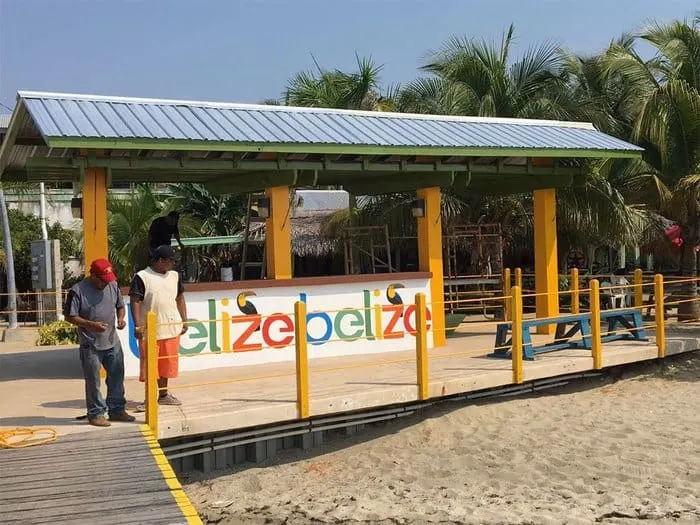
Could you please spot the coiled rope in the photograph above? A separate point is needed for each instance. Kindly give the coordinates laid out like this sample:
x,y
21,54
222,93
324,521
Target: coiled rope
x,y
27,437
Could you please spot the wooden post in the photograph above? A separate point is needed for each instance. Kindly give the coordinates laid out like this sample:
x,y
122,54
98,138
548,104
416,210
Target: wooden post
x,y
517,338
507,302
660,315
278,234
638,288
95,243
596,341
575,295
422,346
302,359
430,257
152,392
546,272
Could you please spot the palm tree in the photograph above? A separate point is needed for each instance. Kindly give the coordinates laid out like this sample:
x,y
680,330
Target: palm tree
x,y
335,88
216,214
664,105
478,78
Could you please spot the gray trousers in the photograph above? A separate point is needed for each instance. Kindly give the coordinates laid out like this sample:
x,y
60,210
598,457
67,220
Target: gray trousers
x,y
113,362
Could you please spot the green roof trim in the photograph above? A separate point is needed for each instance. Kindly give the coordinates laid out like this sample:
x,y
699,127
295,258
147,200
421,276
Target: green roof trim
x,y
333,149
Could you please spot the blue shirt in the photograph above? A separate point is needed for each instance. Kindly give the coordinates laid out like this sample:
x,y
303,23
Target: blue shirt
x,y
88,302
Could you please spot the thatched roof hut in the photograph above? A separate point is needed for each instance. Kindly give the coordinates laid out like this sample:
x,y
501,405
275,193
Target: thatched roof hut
x,y
308,238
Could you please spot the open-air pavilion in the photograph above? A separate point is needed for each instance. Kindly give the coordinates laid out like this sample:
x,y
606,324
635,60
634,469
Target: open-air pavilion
x,y
244,372
238,148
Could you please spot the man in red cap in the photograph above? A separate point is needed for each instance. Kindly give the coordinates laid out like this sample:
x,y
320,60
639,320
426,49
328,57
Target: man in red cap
x,y
91,306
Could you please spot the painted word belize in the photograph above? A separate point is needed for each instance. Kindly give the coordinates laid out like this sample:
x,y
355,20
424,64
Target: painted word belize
x,y
381,316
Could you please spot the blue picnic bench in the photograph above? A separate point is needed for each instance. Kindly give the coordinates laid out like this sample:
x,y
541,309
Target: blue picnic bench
x,y
568,326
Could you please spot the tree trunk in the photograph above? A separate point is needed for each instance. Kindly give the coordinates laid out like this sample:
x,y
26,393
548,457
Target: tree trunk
x,y
689,309
10,260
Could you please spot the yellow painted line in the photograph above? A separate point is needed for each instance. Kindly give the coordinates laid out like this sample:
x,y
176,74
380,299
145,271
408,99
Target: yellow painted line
x,y
179,495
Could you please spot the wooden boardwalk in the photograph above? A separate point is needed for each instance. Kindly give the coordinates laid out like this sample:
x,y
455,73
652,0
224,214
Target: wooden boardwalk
x,y
116,476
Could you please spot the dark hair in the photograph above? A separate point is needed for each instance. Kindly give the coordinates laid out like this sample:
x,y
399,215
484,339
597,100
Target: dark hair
x,y
620,271
174,214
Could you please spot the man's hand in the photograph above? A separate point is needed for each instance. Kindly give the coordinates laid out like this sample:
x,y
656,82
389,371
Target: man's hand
x,y
138,332
121,324
98,326
184,328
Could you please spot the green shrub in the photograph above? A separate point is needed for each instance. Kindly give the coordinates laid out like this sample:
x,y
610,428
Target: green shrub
x,y
58,333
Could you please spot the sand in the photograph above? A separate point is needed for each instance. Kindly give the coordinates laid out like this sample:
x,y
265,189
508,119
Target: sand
x,y
620,449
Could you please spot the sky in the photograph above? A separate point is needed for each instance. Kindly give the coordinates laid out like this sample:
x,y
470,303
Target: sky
x,y
247,50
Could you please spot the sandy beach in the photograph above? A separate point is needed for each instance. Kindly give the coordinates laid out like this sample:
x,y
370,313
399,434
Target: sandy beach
x,y
623,448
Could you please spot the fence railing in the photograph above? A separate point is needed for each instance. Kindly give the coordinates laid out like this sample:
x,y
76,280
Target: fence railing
x,y
512,302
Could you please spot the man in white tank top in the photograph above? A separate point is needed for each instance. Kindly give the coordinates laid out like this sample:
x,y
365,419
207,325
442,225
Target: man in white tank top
x,y
158,289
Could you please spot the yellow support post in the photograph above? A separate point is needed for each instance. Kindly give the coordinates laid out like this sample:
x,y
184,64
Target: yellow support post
x,y
302,359
422,346
638,288
546,272
517,337
151,373
575,295
95,215
278,234
596,342
430,257
519,278
660,315
507,286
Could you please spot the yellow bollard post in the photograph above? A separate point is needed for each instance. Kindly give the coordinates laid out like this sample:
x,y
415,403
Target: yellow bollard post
x,y
151,373
302,359
507,286
519,278
517,337
596,341
226,332
638,289
660,315
575,295
421,347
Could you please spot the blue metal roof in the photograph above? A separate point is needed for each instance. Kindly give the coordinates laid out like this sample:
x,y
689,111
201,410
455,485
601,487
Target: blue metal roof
x,y
62,116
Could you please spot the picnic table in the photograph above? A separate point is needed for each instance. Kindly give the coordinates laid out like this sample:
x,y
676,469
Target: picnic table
x,y
568,327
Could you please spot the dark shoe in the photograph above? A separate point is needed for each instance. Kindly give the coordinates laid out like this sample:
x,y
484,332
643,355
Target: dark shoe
x,y
100,421
124,417
169,399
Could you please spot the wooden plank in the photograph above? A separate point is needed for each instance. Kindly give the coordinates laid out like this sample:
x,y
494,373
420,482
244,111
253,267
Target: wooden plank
x,y
18,457
68,506
103,514
90,462
98,488
59,479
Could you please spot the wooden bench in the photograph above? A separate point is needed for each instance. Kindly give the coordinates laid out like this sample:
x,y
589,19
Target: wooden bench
x,y
567,326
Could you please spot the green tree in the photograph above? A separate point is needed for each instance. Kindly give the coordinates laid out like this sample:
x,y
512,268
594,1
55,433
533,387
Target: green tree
x,y
664,106
335,88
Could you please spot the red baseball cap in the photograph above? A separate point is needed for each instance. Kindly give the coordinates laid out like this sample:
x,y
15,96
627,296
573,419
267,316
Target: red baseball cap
x,y
102,269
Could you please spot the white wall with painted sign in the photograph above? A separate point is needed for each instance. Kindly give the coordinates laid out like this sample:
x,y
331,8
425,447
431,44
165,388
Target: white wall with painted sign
x,y
343,319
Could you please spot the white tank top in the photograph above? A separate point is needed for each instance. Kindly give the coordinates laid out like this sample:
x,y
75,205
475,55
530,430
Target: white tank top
x,y
160,297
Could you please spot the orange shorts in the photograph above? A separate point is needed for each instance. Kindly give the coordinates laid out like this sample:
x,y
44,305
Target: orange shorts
x,y
168,357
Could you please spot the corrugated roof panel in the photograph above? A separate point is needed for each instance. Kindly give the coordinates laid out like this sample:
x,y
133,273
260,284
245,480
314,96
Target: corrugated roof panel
x,y
85,116
114,121
130,121
63,122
